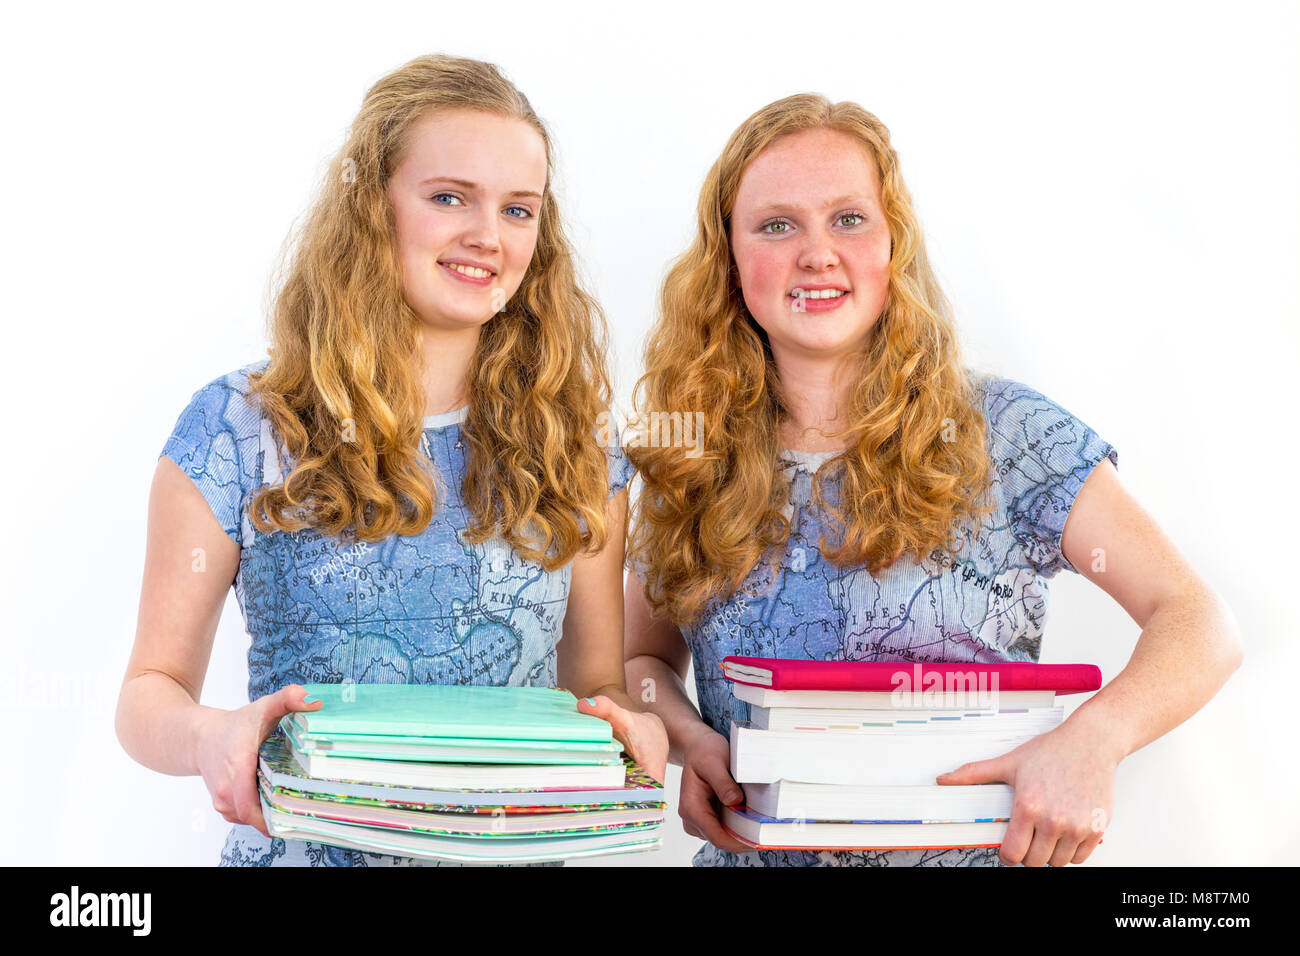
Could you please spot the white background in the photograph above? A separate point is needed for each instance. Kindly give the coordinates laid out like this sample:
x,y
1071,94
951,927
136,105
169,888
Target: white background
x,y
1109,193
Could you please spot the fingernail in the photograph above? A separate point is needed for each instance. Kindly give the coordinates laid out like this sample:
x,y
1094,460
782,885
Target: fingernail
x,y
310,699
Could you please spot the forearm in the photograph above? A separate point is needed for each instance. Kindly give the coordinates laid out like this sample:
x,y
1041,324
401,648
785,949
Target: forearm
x,y
664,694
1186,652
158,723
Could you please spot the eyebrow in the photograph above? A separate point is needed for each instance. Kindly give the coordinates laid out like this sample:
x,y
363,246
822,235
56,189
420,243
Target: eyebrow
x,y
466,184
841,201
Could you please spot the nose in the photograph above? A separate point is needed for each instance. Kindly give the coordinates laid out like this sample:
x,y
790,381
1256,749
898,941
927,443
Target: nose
x,y
818,252
481,233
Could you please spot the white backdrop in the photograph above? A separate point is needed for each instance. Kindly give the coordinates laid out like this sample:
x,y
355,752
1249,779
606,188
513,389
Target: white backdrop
x,y
1110,197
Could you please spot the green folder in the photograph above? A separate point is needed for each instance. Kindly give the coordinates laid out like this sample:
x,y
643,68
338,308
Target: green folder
x,y
449,710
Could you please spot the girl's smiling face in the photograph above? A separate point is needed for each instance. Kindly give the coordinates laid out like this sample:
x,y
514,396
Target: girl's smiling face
x,y
466,194
811,244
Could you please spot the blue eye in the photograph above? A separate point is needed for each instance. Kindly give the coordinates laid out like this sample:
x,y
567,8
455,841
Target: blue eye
x,y
527,213
440,196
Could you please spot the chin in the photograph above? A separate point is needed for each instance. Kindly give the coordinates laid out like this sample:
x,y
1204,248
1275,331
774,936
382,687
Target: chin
x,y
453,321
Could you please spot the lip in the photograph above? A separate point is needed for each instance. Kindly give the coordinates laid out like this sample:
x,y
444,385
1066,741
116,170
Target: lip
x,y
447,264
817,287
801,304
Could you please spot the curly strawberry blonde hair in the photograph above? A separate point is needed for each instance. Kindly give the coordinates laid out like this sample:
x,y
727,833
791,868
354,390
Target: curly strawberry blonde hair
x,y
346,352
917,466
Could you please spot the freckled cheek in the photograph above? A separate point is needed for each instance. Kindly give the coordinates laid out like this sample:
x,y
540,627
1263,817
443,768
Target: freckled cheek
x,y
763,275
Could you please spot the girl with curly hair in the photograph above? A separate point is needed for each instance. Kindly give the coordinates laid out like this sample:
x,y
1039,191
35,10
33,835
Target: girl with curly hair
x,y
854,492
412,488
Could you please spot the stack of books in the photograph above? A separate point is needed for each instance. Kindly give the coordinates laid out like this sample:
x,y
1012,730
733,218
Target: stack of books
x,y
466,774
843,755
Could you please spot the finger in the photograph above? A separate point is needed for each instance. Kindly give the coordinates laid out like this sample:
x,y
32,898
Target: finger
x,y
287,700
717,775
1019,835
649,748
248,808
724,839
696,807
1048,832
980,771
1084,850
1066,845
604,708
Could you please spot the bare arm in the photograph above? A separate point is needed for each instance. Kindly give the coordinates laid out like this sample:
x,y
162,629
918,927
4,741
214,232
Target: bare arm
x,y
657,663
189,566
657,652
1064,779
590,656
1190,642
190,563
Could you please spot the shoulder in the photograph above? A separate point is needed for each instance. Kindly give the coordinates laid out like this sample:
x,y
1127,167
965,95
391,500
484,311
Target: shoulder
x,y
224,405
234,384
1042,454
1023,421
216,441
609,435
1006,401
221,423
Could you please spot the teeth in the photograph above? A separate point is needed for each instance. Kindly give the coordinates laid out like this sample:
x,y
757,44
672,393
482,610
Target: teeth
x,y
469,270
818,293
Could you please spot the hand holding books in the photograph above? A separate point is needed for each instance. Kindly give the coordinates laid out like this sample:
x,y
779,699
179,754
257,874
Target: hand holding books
x,y
1064,792
226,747
857,756
707,787
642,734
468,774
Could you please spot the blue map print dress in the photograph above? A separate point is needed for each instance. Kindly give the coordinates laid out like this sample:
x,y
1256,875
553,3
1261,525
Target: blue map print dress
x,y
424,609
988,605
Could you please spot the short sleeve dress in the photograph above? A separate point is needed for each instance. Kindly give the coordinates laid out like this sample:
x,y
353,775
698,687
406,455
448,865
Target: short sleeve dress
x,y
425,609
987,605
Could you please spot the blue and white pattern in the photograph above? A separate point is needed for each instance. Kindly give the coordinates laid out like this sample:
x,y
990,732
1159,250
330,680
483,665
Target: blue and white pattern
x,y
425,609
989,604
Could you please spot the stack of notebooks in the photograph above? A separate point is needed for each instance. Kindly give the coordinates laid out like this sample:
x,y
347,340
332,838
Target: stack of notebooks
x,y
843,755
466,774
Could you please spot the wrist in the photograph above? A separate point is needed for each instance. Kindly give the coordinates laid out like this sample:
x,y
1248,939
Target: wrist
x,y
199,727
1103,732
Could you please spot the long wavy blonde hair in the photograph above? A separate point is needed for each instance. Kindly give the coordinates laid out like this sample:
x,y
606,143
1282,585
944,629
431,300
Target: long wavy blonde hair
x,y
343,389
916,466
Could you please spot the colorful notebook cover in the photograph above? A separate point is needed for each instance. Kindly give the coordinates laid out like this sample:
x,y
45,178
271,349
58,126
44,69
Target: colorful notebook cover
x,y
451,710
910,677
429,846
276,762
452,749
456,825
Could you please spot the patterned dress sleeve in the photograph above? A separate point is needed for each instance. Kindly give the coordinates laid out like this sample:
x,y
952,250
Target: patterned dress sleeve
x,y
216,442
1042,455
621,470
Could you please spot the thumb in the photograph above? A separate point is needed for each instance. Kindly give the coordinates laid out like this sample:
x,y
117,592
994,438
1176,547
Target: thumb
x,y
718,776
979,771
287,700
604,708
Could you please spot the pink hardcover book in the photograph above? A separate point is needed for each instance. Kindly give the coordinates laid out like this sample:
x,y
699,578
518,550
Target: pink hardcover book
x,y
913,677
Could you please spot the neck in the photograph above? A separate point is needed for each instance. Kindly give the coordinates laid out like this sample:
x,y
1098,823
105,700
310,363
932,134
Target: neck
x,y
817,397
445,358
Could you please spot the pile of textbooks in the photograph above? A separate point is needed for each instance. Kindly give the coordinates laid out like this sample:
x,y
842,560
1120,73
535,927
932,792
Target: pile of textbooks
x,y
467,774
844,755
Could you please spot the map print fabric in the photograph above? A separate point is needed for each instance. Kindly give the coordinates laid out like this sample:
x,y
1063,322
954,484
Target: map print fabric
x,y
425,609
987,605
